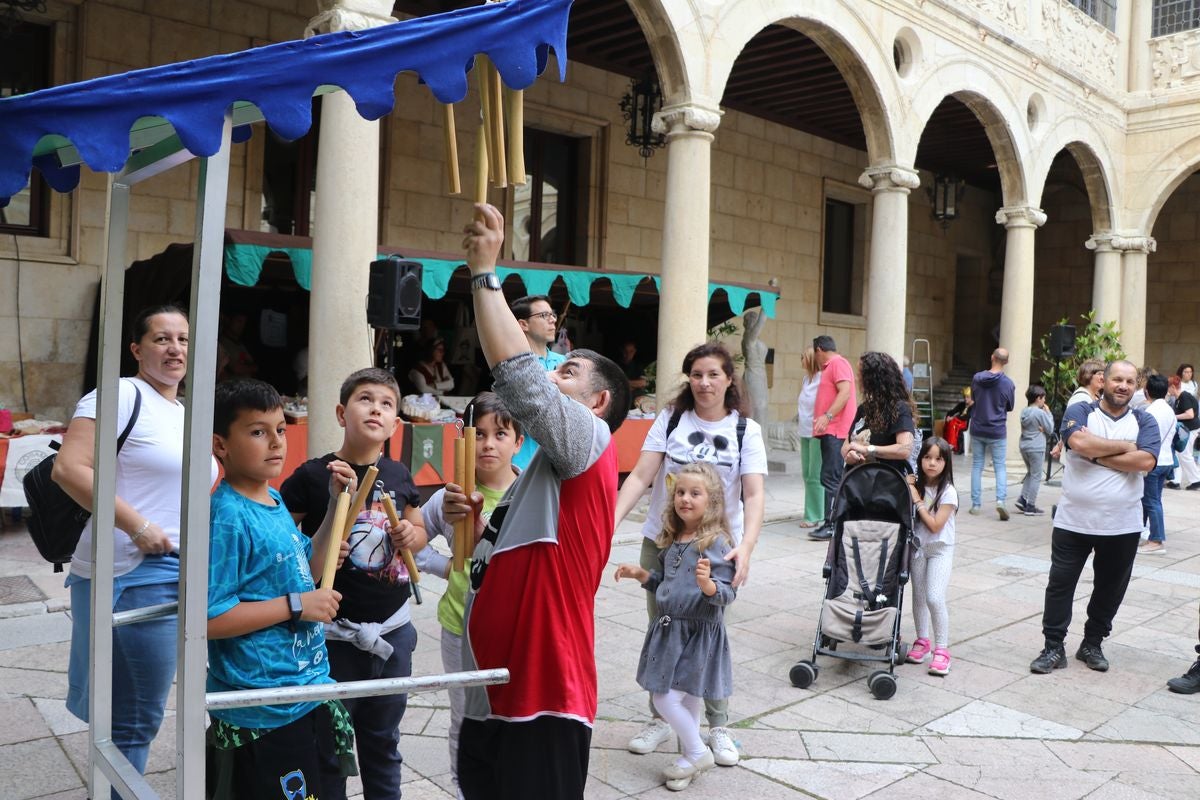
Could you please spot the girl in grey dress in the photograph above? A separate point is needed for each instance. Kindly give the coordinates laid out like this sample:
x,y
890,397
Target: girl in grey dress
x,y
685,657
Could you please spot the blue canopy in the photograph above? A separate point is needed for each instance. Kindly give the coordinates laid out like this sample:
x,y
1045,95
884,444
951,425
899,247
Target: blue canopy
x,y
96,117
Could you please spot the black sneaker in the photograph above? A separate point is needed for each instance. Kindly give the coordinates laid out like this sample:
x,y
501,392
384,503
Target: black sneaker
x,y
1191,487
1052,657
1020,504
1093,656
1034,511
1188,683
822,533
1171,485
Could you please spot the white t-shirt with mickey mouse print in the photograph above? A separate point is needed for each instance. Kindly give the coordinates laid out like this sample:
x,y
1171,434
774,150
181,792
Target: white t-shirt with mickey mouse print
x,y
695,439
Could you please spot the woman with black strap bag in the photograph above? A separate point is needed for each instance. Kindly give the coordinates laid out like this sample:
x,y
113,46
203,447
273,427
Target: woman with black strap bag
x,y
145,538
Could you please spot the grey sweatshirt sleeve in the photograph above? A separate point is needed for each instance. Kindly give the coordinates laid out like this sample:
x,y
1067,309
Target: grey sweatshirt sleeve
x,y
570,435
428,559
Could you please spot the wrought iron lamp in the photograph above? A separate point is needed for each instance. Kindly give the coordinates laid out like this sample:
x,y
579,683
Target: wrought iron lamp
x,y
639,105
10,16
945,195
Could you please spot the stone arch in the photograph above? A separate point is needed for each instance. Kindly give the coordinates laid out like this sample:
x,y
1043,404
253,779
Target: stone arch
x,y
1086,145
993,104
661,22
1172,170
841,33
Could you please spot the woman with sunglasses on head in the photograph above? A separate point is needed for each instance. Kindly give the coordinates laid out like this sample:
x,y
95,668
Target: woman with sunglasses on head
x,y
704,423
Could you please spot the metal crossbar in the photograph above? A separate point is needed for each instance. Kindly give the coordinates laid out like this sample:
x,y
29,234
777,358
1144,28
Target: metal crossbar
x,y
352,689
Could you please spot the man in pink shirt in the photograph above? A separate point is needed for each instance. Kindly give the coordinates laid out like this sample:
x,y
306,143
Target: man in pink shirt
x,y
833,414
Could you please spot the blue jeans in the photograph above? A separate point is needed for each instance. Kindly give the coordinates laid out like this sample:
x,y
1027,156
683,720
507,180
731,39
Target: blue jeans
x,y
1152,510
376,719
143,666
979,448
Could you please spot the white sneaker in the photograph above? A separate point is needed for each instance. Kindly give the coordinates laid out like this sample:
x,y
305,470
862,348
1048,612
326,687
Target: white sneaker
x,y
650,737
724,749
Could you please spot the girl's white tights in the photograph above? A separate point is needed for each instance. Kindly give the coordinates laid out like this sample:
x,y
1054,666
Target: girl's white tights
x,y
682,712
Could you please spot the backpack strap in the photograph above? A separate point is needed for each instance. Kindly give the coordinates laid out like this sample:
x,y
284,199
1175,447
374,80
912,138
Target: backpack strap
x,y
137,409
673,423
741,434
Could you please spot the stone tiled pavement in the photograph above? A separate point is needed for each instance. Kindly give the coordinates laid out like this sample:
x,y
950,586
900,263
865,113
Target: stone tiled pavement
x,y
988,730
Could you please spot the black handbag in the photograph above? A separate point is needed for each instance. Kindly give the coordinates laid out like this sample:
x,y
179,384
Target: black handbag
x,y
56,521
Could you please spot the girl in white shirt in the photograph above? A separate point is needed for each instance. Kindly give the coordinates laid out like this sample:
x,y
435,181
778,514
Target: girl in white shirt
x,y
810,446
936,502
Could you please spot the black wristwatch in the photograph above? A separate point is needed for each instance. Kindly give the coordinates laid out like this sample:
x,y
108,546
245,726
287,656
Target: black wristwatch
x,y
295,607
486,280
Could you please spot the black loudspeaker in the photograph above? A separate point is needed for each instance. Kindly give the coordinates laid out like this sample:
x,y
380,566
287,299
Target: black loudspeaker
x,y
1062,341
394,294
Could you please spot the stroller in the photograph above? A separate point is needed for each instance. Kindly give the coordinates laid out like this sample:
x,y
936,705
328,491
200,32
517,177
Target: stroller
x,y
866,568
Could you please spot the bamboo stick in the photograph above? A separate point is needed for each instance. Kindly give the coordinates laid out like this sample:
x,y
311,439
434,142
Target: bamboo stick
x,y
481,166
516,136
453,181
460,528
482,68
496,126
360,500
469,489
414,574
335,539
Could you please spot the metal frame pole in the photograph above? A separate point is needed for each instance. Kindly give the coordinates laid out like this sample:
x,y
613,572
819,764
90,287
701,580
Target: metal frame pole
x,y
112,282
194,534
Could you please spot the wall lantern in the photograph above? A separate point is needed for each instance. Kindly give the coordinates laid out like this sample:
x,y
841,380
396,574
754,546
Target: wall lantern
x,y
945,195
639,105
9,16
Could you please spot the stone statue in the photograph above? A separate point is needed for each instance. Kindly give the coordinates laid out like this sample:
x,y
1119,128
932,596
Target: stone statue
x,y
754,375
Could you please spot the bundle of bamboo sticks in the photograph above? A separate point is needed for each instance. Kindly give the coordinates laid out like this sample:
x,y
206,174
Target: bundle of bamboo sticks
x,y
464,476
494,162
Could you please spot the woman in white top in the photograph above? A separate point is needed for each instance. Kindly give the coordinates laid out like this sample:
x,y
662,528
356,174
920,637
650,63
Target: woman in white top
x,y
145,540
431,375
810,447
1187,379
704,422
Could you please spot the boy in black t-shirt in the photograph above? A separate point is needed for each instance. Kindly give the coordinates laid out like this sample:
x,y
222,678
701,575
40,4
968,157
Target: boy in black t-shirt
x,y
373,636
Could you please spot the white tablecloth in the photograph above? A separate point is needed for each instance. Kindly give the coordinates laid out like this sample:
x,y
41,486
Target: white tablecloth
x,y
23,453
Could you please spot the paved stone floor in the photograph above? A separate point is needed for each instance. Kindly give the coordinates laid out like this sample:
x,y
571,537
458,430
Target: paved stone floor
x,y
988,730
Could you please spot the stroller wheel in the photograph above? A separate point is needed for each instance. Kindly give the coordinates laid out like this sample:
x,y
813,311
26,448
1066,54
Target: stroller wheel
x,y
882,685
803,674
901,653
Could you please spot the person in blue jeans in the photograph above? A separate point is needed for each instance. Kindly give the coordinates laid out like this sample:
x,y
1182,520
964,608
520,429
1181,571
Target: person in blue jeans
x,y
1152,484
994,393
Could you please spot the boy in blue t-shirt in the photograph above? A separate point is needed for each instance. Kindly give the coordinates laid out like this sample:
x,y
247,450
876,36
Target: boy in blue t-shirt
x,y
264,612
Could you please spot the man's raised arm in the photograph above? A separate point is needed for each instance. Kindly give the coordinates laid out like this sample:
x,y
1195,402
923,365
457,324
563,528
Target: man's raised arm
x,y
499,334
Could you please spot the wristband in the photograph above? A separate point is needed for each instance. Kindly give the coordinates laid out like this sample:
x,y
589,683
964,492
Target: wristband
x,y
138,533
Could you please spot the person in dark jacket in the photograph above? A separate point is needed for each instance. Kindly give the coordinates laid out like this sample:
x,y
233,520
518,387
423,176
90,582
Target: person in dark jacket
x,y
993,392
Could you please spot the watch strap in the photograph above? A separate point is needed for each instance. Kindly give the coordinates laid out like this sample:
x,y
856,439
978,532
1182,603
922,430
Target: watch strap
x,y
486,280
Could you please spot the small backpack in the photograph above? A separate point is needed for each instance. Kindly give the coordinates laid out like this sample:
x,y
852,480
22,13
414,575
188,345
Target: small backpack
x,y
56,521
1179,443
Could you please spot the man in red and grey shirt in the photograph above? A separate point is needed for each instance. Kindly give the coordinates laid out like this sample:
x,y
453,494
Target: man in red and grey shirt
x,y
537,567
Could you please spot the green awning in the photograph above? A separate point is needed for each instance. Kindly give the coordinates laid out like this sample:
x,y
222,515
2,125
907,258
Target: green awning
x,y
244,263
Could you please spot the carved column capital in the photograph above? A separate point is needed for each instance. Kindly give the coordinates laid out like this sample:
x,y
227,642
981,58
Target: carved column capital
x,y
349,15
687,117
1135,244
1021,217
1100,243
889,178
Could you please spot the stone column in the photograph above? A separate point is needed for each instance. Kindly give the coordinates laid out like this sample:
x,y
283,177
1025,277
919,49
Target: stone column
x,y
1016,311
1137,44
683,293
887,267
1106,285
1136,250
346,236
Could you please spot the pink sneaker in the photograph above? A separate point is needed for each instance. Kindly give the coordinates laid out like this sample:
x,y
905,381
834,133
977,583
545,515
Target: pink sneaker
x,y
941,662
918,651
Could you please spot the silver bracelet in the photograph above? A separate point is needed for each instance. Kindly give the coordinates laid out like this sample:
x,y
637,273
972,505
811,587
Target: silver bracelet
x,y
138,533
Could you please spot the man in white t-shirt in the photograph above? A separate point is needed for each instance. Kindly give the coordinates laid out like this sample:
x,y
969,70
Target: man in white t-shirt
x,y
1109,447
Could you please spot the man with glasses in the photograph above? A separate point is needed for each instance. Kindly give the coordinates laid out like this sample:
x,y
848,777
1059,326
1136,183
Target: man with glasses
x,y
537,322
